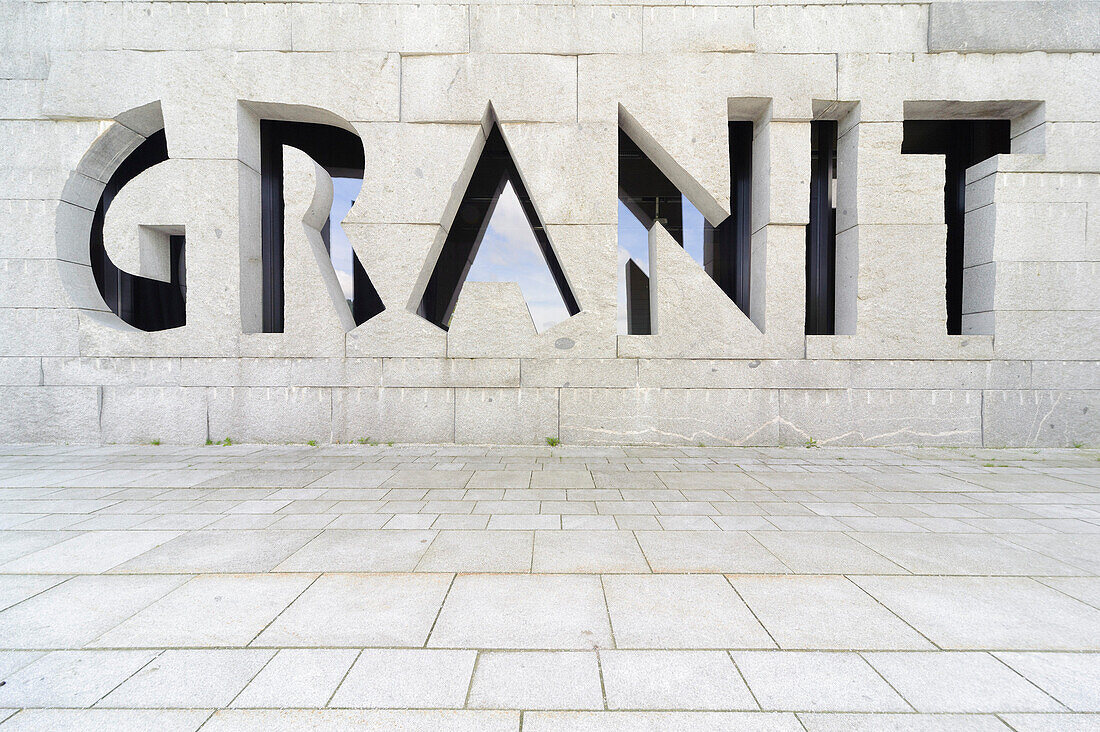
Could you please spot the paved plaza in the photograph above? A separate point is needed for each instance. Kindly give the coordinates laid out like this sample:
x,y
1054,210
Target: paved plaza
x,y
497,588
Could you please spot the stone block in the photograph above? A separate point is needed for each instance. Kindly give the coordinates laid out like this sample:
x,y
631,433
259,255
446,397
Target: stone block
x,y
491,319
1037,231
858,28
681,292
697,29
105,335
20,371
396,332
49,414
1047,286
898,344
409,29
930,374
1066,26
396,258
28,228
96,84
777,300
275,372
452,372
142,217
570,171
556,29
316,315
457,88
31,283
273,414
21,98
670,416
883,186
901,287
781,174
579,372
47,151
38,332
1065,374
880,417
507,416
885,83
178,27
394,414
682,90
419,173
979,284
64,371
142,414
1056,418
740,373
358,87
1049,334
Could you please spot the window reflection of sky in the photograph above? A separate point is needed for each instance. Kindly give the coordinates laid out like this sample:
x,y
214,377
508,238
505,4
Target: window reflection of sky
x,y
344,191
634,244
509,252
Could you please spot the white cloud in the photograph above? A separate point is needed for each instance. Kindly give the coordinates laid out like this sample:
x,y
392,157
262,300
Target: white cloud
x,y
509,252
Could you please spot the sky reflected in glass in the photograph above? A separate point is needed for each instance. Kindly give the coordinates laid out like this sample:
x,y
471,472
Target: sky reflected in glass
x,y
509,252
634,244
344,192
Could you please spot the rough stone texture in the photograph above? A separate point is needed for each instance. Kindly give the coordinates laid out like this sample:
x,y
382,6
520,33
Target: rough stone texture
x,y
1067,26
81,85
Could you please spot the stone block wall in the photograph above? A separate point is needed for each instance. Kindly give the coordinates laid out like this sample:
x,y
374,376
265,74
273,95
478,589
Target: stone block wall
x,y
82,84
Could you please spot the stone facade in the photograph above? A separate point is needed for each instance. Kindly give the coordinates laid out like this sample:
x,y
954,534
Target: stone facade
x,y
82,84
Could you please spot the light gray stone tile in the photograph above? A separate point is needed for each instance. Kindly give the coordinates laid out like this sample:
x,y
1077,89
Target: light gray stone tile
x,y
108,720
588,523
293,720
959,682
298,677
659,721
680,611
16,588
1071,678
211,610
79,610
523,611
220,551
478,551
338,550
1053,722
689,551
95,551
673,680
360,610
901,723
587,552
966,554
1079,550
71,678
12,661
988,612
824,553
189,678
525,523
536,680
816,681
807,612
407,678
